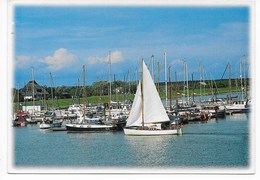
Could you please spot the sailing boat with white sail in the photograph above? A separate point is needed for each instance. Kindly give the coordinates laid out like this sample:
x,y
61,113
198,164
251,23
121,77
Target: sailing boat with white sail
x,y
148,116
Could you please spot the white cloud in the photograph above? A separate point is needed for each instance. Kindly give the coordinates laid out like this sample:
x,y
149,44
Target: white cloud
x,y
60,59
177,62
116,56
23,61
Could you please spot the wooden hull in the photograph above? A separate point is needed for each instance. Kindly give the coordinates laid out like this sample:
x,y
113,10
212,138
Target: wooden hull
x,y
136,132
58,129
89,128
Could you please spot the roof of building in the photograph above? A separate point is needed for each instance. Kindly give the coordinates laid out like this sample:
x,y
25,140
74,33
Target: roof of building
x,y
27,90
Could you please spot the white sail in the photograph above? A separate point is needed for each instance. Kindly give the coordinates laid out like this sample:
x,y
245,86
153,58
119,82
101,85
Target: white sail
x,y
154,111
135,117
153,108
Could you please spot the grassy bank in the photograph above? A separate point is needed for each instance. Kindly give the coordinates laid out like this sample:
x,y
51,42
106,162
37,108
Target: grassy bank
x,y
64,103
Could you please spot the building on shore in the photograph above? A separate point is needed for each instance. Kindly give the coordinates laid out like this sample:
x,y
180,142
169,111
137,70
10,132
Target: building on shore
x,y
32,88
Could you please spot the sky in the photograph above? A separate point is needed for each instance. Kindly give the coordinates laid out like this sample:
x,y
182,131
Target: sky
x,y
61,39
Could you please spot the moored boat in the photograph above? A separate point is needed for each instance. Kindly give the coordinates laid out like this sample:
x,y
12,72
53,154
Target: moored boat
x,y
19,121
238,106
89,127
148,116
89,124
213,110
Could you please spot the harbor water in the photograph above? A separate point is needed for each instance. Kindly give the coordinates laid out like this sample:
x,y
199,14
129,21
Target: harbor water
x,y
217,143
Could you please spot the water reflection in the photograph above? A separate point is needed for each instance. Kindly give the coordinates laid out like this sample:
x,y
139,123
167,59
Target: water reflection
x,y
151,150
239,117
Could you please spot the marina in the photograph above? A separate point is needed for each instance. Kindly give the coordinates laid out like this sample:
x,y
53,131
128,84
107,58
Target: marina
x,y
209,131
118,89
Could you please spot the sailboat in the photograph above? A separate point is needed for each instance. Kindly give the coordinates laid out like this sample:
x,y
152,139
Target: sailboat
x,y
89,124
148,116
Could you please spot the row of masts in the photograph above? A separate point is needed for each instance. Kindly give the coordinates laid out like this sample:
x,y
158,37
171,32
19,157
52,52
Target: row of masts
x,y
167,78
186,93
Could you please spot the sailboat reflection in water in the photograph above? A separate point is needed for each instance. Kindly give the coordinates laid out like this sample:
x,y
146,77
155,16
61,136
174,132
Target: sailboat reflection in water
x,y
148,116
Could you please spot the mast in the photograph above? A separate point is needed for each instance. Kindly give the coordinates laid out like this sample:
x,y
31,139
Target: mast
x,y
176,89
158,88
129,85
204,84
193,88
246,84
152,59
245,77
237,90
165,77
84,93
26,91
142,93
52,99
170,89
241,79
200,83
136,76
44,95
187,81
184,81
18,100
78,93
33,89
97,91
115,85
229,82
124,88
101,90
110,86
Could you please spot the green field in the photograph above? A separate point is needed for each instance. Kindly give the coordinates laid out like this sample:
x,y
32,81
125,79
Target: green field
x,y
64,103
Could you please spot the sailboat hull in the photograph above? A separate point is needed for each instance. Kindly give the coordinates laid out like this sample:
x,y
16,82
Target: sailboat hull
x,y
90,128
45,126
135,132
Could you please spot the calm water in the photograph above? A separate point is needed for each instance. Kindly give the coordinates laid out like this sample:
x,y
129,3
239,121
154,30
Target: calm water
x,y
218,143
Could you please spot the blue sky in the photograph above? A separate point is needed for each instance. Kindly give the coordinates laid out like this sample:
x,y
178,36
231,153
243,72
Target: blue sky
x,y
61,39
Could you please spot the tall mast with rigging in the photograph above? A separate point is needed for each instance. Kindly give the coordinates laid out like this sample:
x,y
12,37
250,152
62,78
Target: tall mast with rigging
x,y
165,77
142,93
84,92
110,86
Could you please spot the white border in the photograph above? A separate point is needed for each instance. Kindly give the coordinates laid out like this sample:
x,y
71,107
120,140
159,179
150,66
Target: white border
x,y
7,71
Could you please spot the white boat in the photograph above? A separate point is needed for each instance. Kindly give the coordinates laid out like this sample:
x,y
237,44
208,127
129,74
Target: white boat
x,y
148,116
88,127
238,106
90,124
213,110
44,125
